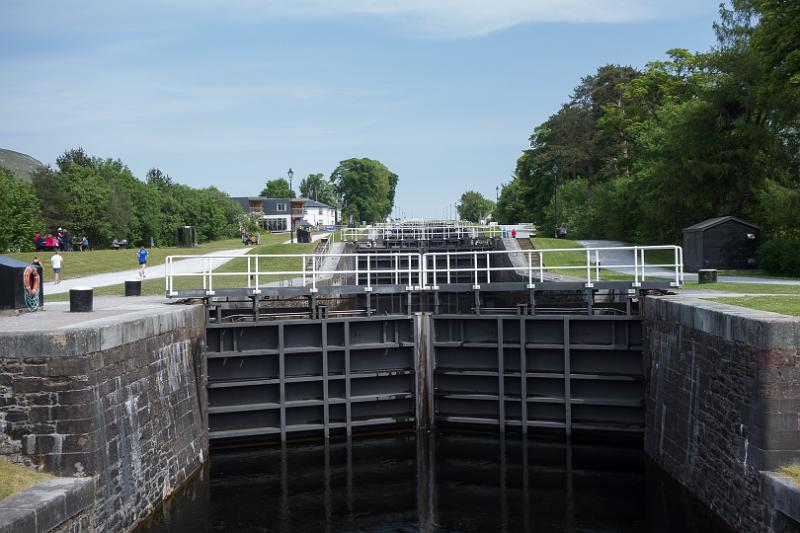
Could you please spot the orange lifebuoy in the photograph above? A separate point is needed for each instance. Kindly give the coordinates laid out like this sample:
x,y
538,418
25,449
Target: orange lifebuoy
x,y
30,279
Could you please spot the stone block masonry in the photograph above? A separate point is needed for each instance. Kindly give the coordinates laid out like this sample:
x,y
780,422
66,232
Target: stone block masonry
x,y
121,398
723,403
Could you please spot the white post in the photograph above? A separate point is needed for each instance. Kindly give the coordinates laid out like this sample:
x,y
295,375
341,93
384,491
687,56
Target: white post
x,y
597,265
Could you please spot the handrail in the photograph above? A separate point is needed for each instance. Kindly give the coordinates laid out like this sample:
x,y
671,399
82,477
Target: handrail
x,y
419,232
416,271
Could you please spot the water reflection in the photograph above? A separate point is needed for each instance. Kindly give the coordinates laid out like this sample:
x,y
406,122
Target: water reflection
x,y
435,483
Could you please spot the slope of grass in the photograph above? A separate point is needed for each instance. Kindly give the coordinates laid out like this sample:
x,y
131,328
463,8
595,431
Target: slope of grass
x,y
793,471
14,478
80,264
785,304
744,288
574,258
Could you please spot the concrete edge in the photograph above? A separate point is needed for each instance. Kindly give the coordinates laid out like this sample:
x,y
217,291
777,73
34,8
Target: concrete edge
x,y
46,505
761,329
782,493
102,333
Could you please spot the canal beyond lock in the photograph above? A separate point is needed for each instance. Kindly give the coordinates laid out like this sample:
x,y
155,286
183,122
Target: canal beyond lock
x,y
442,483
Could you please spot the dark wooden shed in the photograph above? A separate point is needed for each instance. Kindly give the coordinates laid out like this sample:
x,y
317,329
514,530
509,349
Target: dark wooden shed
x,y
726,243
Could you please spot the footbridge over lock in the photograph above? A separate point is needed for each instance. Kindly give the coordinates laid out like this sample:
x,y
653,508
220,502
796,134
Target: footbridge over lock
x,y
419,327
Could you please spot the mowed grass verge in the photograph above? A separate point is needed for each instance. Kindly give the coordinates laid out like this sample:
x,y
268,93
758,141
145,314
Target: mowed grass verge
x,y
80,264
15,478
744,288
155,287
782,304
573,258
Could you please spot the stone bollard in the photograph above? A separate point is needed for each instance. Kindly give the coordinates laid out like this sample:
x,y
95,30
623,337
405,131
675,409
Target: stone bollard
x,y
133,287
81,299
707,275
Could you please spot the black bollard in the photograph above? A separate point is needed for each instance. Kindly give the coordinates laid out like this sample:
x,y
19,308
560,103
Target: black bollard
x,y
133,287
81,299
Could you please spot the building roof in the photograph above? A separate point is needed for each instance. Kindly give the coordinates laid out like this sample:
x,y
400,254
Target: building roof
x,y
711,222
269,203
313,203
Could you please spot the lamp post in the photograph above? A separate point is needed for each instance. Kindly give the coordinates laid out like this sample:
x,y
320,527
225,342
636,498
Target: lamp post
x,y
555,194
290,173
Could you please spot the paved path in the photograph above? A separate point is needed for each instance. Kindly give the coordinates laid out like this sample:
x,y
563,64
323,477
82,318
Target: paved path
x,y
154,272
621,257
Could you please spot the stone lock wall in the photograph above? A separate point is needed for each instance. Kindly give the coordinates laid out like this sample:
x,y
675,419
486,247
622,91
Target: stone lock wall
x,y
121,400
722,403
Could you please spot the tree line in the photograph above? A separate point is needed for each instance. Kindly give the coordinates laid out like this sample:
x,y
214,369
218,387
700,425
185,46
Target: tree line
x,y
102,200
639,154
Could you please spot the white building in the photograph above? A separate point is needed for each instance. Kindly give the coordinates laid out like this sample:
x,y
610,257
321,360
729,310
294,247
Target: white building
x,y
318,214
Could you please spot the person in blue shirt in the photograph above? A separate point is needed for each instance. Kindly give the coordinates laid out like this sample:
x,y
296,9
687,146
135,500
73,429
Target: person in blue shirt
x,y
142,256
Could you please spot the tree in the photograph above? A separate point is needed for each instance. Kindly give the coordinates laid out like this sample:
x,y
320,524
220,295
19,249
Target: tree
x,y
474,207
20,218
74,156
316,187
366,188
277,188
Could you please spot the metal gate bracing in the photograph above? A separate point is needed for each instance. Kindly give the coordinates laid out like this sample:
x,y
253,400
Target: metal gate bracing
x,y
342,375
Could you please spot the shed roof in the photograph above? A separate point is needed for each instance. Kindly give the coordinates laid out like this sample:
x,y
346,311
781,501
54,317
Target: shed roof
x,y
711,222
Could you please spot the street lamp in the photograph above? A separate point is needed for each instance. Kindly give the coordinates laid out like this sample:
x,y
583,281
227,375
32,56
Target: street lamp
x,y
555,194
291,214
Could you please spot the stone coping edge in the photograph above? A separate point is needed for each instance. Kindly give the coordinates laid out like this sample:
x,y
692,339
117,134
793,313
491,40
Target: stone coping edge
x,y
782,493
42,507
762,329
102,333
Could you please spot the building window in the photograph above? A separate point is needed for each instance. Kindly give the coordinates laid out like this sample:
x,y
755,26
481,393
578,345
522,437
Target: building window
x,y
320,210
280,207
275,224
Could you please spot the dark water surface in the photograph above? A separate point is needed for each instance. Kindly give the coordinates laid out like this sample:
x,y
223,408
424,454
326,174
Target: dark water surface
x,y
438,483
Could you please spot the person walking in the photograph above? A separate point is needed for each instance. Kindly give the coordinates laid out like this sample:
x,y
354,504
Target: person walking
x,y
562,231
142,256
84,244
57,261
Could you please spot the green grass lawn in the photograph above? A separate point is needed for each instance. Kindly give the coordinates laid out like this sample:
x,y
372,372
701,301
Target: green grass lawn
x,y
784,304
753,274
14,478
572,259
793,471
745,288
80,264
270,245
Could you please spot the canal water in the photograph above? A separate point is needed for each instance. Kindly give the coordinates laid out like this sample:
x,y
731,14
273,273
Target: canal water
x,y
439,483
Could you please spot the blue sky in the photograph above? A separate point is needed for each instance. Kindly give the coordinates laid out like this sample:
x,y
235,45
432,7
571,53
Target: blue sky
x,y
231,93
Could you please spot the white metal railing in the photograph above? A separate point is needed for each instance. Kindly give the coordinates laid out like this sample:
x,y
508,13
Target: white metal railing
x,y
426,271
534,264
419,233
259,270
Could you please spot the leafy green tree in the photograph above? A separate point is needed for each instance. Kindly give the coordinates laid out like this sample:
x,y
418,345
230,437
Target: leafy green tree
x,y
316,187
74,156
277,188
366,188
89,196
20,218
46,184
474,207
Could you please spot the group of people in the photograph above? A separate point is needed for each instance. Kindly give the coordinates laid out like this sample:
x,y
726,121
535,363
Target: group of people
x,y
250,238
61,241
